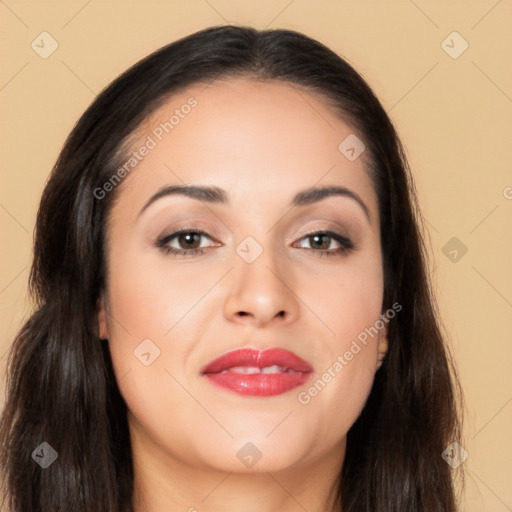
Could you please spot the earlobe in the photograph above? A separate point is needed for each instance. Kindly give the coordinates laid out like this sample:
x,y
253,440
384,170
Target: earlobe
x,y
382,348
102,318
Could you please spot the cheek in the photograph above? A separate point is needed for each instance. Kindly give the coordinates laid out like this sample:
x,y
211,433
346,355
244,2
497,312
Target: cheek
x,y
346,298
348,303
149,344
161,311
149,298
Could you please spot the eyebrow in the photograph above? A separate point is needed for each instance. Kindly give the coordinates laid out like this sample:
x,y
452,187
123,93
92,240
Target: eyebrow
x,y
211,194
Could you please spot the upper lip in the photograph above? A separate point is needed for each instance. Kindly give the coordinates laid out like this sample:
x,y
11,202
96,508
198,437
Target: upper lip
x,y
259,359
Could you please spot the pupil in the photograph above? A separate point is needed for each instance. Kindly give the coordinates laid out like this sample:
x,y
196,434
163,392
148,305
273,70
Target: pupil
x,y
321,241
188,240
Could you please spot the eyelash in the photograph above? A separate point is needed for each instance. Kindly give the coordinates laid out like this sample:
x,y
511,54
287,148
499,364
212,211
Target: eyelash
x,y
346,245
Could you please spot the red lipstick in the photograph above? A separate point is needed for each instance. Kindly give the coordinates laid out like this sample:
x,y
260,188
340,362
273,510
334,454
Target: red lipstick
x,y
259,373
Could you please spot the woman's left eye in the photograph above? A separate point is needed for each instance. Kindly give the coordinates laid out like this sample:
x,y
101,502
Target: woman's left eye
x,y
184,242
326,243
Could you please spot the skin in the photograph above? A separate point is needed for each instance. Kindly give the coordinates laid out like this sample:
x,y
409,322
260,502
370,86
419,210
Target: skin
x,y
262,142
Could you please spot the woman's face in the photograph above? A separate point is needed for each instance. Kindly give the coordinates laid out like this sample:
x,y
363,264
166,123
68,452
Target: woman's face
x,y
275,265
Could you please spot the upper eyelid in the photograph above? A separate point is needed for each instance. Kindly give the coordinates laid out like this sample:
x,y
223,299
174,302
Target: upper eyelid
x,y
164,238
328,229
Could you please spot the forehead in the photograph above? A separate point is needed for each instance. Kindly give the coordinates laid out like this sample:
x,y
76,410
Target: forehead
x,y
266,138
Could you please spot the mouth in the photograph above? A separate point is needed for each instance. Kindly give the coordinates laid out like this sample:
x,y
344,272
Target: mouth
x,y
258,373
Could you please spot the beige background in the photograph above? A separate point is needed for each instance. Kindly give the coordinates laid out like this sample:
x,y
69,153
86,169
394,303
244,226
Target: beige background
x,y
454,116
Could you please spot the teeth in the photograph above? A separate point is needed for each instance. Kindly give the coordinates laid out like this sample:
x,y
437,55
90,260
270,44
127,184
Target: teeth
x,y
255,369
273,369
245,369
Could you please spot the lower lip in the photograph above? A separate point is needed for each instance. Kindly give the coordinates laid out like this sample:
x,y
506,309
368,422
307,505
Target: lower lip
x,y
258,384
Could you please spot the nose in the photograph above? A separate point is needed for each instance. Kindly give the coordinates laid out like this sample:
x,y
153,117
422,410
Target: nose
x,y
261,293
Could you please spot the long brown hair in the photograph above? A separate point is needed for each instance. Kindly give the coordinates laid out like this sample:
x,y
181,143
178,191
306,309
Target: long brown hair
x,y
61,388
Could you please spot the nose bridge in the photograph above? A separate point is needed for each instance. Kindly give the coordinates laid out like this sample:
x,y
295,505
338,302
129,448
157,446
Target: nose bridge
x,y
260,282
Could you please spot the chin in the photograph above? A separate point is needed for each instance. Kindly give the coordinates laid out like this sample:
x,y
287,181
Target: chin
x,y
255,454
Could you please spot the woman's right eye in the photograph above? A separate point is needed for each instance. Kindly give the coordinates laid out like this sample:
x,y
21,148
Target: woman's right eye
x,y
184,242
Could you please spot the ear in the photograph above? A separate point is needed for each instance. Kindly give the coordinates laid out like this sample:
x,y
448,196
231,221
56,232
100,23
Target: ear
x,y
382,348
102,318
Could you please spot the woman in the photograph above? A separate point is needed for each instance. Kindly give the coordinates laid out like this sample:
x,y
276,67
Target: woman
x,y
233,309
